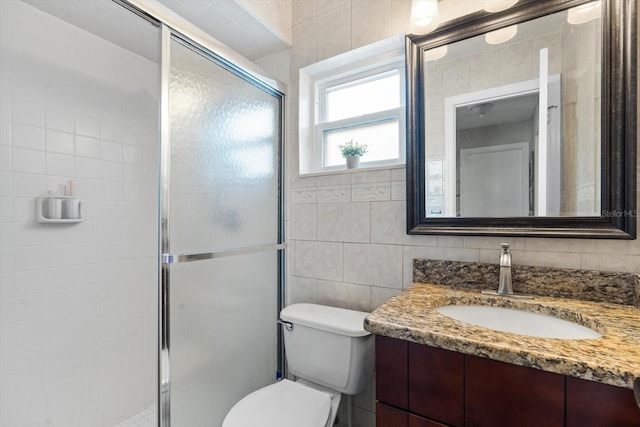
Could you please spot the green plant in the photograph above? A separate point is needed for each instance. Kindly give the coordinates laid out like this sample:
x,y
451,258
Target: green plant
x,y
351,148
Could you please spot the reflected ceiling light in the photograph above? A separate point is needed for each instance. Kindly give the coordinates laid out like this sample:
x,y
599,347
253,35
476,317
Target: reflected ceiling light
x,y
482,109
498,5
502,35
435,53
584,13
423,13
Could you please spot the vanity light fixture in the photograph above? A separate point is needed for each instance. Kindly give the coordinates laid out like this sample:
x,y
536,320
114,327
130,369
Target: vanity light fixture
x,y
502,35
498,5
423,13
584,13
435,53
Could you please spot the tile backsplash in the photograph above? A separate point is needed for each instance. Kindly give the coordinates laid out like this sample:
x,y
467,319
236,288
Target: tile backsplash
x,y
589,285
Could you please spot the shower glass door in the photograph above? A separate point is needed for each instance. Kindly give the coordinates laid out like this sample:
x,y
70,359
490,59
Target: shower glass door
x,y
221,236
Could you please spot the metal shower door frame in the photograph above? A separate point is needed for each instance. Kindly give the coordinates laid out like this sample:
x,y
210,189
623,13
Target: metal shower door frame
x,y
174,25
166,257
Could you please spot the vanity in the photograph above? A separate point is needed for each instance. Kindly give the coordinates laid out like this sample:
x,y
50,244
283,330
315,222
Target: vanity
x,y
463,179
432,370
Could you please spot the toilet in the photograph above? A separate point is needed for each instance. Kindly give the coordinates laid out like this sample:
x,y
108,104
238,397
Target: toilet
x,y
328,352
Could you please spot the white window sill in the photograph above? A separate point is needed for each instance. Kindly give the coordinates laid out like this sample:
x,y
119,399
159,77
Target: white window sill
x,y
356,170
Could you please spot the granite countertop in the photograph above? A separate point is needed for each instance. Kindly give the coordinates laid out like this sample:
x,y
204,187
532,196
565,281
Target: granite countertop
x,y
612,359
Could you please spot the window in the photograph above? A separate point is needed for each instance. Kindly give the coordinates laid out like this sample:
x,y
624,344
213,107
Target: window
x,y
343,99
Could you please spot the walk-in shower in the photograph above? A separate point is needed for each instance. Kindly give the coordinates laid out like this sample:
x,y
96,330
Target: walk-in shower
x,y
167,291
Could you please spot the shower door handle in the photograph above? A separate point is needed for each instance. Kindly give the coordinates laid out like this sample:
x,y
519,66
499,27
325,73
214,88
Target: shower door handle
x,y
180,258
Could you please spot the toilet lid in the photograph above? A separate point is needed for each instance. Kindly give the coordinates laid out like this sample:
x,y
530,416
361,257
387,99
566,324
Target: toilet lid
x,y
283,404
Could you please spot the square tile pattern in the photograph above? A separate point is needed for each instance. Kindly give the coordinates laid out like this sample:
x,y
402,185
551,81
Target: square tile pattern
x,y
146,418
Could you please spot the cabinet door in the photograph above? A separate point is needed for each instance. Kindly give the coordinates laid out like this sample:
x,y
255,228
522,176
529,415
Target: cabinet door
x,y
515,395
387,416
436,384
391,371
416,421
595,404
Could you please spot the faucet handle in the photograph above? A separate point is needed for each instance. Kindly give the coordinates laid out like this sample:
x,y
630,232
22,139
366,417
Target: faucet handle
x,y
504,246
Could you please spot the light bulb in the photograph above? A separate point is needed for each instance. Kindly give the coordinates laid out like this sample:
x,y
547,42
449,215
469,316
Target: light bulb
x,y
502,35
498,5
435,53
584,13
423,12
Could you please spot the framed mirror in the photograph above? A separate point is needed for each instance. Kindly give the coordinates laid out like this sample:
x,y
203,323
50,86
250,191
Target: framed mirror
x,y
523,122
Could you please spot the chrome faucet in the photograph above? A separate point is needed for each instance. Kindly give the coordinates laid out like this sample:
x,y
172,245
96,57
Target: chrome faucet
x,y
505,287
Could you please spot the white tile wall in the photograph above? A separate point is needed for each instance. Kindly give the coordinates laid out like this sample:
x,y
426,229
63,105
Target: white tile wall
x,y
77,303
362,265
385,214
146,418
343,222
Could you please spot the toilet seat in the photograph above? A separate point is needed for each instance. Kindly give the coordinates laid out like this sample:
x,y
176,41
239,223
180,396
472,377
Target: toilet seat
x,y
283,404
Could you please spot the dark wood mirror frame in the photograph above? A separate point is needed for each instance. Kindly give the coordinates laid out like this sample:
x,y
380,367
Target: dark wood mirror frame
x,y
618,138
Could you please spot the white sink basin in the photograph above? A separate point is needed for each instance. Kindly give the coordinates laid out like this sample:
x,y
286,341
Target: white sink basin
x,y
517,322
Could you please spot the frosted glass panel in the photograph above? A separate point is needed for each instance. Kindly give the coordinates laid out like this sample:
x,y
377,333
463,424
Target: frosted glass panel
x,y
224,150
223,335
381,139
223,194
377,93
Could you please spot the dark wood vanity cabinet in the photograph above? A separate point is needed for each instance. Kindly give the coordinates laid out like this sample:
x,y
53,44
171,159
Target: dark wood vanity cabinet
x,y
595,404
391,372
390,416
514,395
421,386
436,384
417,386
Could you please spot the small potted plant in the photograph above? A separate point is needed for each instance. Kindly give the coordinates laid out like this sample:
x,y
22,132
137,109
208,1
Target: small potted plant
x,y
352,151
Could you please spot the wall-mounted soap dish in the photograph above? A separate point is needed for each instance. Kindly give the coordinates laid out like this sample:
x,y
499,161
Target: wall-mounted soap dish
x,y
59,209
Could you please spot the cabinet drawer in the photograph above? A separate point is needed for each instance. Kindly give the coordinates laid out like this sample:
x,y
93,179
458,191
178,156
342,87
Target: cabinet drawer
x,y
416,421
388,416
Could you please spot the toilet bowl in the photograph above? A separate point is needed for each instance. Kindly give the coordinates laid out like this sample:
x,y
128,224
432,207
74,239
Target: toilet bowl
x,y
285,404
329,353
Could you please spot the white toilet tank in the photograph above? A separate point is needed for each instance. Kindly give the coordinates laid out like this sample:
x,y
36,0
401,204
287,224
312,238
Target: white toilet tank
x,y
328,346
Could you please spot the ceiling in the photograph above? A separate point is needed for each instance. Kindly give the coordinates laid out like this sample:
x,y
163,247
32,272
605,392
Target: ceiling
x,y
501,111
231,23
108,21
225,20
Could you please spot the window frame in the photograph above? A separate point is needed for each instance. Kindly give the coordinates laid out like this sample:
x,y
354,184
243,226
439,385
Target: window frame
x,y
355,67
360,76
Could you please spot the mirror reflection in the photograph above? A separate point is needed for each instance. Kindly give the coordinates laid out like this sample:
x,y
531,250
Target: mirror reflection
x,y
512,120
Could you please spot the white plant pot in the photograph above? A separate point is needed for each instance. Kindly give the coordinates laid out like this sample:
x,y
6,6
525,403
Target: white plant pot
x,y
353,162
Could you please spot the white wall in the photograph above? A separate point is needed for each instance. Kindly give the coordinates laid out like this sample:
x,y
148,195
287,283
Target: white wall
x,y
346,232
77,302
276,14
